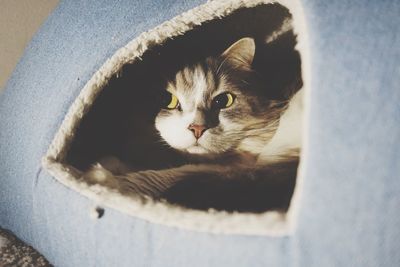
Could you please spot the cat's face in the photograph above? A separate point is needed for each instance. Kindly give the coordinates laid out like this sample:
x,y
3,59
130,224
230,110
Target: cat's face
x,y
213,106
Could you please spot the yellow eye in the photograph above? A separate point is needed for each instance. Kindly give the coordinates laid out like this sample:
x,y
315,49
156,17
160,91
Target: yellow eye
x,y
230,100
173,102
224,100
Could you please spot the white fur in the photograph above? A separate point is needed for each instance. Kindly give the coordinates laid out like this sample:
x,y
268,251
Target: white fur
x,y
178,136
288,135
200,87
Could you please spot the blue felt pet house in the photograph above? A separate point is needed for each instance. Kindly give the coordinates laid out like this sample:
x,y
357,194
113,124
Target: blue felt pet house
x,y
85,85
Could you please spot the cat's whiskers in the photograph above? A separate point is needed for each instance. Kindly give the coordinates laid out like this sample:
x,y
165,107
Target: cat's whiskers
x,y
220,65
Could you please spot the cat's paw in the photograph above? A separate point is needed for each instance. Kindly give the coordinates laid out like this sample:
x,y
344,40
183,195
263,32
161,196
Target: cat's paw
x,y
97,174
114,165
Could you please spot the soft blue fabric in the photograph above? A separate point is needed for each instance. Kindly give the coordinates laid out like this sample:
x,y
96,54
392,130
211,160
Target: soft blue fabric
x,y
349,213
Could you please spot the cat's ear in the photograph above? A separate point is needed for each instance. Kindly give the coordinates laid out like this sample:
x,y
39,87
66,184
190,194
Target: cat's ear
x,y
241,52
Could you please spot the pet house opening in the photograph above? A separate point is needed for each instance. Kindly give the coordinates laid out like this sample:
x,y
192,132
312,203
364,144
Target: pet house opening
x,y
241,166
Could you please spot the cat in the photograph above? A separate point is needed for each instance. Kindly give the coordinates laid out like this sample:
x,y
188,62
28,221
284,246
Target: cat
x,y
244,146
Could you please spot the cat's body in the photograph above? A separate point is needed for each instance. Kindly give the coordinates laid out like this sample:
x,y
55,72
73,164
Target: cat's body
x,y
244,146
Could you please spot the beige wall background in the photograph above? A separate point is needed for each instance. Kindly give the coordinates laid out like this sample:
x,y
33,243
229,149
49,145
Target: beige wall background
x,y
19,21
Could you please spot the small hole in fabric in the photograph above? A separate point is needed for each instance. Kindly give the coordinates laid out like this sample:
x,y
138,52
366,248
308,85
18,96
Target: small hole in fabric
x,y
96,212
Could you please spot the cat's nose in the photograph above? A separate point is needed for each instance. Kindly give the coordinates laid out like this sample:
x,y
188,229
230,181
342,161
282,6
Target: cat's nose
x,y
197,130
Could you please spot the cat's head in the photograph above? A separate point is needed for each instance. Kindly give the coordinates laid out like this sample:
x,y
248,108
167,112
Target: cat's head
x,y
217,105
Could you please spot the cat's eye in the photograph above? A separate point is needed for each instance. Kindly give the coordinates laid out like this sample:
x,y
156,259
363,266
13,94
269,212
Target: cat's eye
x,y
171,101
224,100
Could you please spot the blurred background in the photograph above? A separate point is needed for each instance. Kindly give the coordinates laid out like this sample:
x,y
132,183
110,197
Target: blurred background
x,y
19,20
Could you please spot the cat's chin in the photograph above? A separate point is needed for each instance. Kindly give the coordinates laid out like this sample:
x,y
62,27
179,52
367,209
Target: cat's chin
x,y
196,149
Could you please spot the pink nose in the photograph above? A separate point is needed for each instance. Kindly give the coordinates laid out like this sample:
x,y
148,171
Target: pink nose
x,y
197,130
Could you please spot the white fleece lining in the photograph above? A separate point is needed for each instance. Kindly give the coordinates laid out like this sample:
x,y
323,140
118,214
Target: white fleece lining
x,y
268,223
